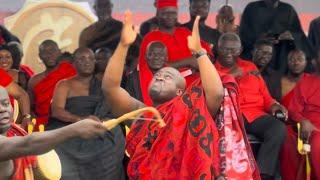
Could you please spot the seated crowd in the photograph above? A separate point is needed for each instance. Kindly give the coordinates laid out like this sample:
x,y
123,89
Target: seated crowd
x,y
215,88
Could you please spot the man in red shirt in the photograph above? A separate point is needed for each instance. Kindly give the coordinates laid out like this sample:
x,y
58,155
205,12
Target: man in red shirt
x,y
305,108
256,104
175,39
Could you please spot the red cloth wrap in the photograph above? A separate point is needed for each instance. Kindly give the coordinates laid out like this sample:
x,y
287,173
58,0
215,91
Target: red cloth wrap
x,y
27,70
289,152
43,91
5,78
22,166
2,41
186,148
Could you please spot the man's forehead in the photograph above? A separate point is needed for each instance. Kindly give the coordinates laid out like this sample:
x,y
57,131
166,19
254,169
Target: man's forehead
x,y
265,47
168,9
231,43
169,70
83,52
156,48
48,46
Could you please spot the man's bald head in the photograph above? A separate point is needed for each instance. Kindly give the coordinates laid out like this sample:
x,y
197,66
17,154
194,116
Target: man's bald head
x,y
84,61
166,84
178,78
81,50
5,111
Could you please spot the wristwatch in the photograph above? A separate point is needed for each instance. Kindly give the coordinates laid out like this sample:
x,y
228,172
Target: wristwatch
x,y
26,116
200,53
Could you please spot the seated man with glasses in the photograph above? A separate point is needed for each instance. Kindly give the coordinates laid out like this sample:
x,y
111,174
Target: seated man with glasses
x,y
261,57
256,104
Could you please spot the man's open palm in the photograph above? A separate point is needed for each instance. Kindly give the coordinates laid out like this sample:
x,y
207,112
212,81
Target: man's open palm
x,y
194,43
129,32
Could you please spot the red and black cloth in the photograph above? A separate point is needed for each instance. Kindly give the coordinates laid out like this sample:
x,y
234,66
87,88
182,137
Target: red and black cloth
x,y
192,145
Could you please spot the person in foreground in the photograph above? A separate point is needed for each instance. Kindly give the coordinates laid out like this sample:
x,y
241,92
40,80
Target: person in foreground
x,y
187,147
16,146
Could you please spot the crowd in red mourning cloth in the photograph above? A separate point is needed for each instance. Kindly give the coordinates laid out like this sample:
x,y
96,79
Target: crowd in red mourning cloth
x,y
237,99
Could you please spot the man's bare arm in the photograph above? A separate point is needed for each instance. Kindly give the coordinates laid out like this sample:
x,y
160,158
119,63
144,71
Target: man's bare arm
x,y
210,78
31,84
39,143
120,100
185,63
59,99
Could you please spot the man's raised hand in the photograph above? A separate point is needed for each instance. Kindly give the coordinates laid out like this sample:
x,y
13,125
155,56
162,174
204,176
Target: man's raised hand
x,y
129,32
194,43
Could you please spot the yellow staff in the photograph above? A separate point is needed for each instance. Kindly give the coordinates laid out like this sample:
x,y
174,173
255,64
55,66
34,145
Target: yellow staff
x,y
304,149
133,115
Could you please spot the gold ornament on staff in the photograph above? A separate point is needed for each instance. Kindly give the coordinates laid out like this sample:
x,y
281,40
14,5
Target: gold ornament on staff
x,y
133,116
304,148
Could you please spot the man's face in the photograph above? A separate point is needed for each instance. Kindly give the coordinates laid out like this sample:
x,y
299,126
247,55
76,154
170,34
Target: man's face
x,y
200,7
85,62
225,16
167,17
262,55
48,54
5,111
6,60
102,59
164,85
157,57
228,52
297,63
103,9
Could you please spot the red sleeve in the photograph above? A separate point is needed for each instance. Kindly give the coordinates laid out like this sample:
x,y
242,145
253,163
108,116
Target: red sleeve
x,y
268,100
297,104
5,78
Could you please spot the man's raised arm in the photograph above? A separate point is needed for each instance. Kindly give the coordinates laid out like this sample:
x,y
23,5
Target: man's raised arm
x,y
39,143
210,78
119,99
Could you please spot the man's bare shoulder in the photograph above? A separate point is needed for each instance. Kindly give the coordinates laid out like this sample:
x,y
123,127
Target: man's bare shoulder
x,y
36,79
65,83
88,29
